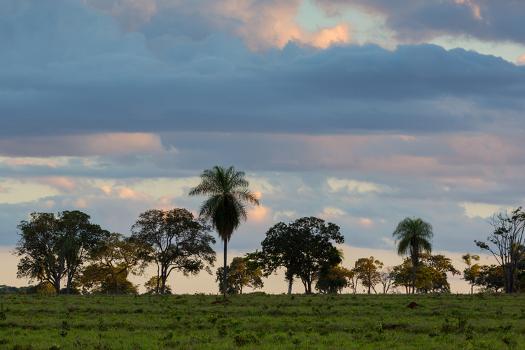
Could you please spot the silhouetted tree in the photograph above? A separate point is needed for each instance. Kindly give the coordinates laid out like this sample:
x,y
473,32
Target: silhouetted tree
x,y
173,240
152,286
413,237
367,271
302,248
491,278
240,274
386,279
505,244
228,194
53,247
333,277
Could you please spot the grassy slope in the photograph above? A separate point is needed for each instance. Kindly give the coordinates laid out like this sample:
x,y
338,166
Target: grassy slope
x,y
263,322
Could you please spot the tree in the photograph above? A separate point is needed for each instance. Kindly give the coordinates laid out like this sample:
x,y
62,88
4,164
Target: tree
x,y
367,271
491,278
471,272
431,276
228,194
111,263
386,278
53,247
302,248
413,237
332,279
241,273
152,286
505,244
173,240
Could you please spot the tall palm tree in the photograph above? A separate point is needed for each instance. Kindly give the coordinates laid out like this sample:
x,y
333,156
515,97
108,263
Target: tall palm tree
x,y
413,237
228,195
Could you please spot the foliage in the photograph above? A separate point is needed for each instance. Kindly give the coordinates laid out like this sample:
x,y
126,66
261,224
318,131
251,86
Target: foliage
x,y
413,237
506,244
110,266
431,276
367,271
491,278
472,271
173,240
240,274
333,278
302,248
53,247
228,193
153,286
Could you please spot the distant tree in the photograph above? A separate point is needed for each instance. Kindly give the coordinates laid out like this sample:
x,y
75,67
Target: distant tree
x,y
152,286
367,271
333,278
302,248
110,265
491,278
472,271
413,237
386,278
53,247
505,244
240,274
228,194
431,275
173,240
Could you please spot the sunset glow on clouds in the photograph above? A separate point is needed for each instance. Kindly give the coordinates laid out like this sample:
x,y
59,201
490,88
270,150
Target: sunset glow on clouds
x,y
361,112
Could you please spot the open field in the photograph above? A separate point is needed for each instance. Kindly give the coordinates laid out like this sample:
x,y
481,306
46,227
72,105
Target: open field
x,y
263,322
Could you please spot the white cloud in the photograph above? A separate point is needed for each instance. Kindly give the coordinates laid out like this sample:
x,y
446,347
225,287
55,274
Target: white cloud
x,y
481,210
354,186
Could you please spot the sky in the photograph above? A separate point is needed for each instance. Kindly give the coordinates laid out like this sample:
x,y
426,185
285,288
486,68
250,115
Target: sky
x,y
359,112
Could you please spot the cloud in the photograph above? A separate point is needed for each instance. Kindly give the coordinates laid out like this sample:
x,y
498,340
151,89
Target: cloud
x,y
111,82
414,20
481,210
521,60
116,144
353,186
330,213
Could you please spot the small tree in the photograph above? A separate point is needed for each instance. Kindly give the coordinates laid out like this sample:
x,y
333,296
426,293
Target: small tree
x,y
152,286
505,244
491,278
471,272
332,279
386,278
173,240
240,274
367,270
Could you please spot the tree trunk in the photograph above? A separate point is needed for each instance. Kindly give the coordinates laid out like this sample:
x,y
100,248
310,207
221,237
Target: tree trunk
x,y
225,273
290,283
56,285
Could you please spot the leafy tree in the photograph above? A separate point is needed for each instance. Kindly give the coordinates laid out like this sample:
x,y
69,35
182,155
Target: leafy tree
x,y
413,237
302,248
173,240
491,278
228,194
431,275
152,286
332,279
367,271
505,244
111,264
53,247
472,271
240,274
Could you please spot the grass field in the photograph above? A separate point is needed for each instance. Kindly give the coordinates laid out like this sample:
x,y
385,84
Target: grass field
x,y
263,322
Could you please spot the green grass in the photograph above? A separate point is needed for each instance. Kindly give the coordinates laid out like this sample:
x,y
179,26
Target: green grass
x,y
263,322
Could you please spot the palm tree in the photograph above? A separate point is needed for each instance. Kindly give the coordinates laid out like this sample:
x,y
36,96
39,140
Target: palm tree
x,y
228,194
413,237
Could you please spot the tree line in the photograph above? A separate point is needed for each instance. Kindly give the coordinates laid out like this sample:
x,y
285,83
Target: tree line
x,y
67,253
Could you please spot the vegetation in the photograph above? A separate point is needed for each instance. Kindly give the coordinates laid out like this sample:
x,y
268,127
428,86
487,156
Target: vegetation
x,y
228,194
258,321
